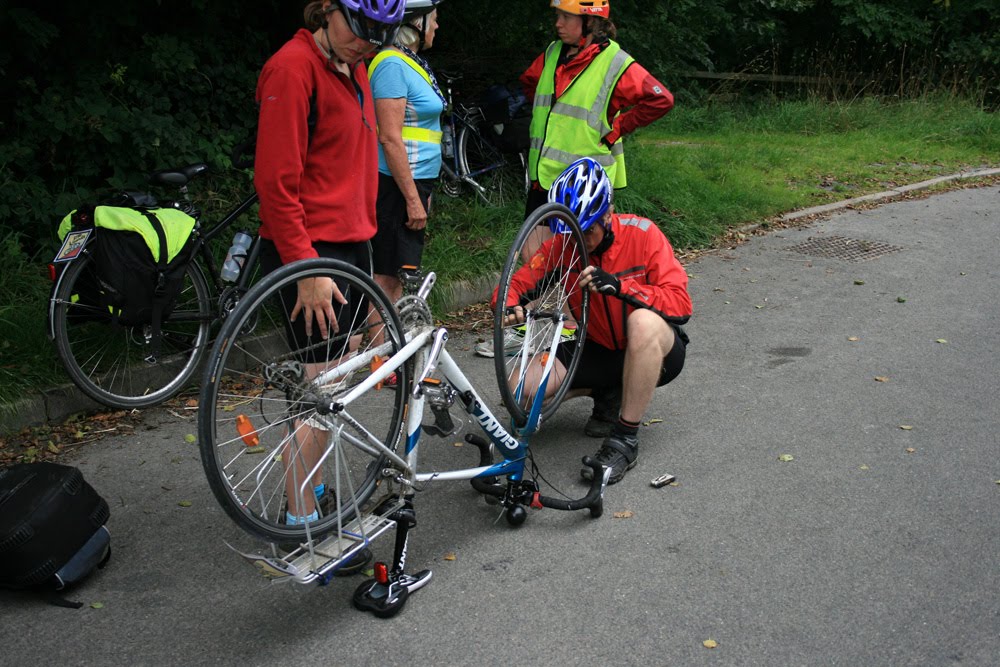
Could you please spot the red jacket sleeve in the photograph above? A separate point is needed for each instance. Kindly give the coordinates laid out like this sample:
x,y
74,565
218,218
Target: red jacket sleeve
x,y
282,141
531,76
640,98
527,278
665,291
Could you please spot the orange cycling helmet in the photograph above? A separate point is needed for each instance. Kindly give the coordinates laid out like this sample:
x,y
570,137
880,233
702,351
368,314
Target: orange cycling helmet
x,y
583,7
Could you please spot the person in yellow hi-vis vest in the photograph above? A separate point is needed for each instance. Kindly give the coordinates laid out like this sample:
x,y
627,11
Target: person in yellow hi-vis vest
x,y
408,106
587,94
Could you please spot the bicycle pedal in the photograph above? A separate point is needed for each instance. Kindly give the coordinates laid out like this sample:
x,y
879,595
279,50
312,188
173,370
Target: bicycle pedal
x,y
414,582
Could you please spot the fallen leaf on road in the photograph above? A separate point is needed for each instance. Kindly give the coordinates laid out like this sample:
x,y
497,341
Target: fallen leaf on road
x,y
457,443
906,427
189,438
941,340
652,421
710,643
910,450
864,468
191,402
449,557
257,449
881,378
859,282
786,458
184,503
97,605
900,299
53,447
627,514
853,339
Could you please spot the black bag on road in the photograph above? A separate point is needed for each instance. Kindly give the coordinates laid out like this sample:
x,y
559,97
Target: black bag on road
x,y
52,531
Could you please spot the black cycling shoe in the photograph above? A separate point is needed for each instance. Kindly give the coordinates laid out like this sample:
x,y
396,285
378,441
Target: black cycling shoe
x,y
607,405
619,452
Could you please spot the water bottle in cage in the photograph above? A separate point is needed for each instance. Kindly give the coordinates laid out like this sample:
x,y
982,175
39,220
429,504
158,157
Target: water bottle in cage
x,y
447,142
235,257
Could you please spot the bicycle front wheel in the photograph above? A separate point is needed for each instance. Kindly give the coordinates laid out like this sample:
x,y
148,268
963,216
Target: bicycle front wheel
x,y
546,286
497,178
275,438
111,362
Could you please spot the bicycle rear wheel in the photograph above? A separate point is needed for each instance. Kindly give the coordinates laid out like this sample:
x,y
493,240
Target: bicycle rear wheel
x,y
263,404
546,285
500,177
109,361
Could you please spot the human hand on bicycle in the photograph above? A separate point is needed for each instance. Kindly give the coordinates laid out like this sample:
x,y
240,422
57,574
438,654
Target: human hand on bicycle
x,y
600,281
514,315
315,299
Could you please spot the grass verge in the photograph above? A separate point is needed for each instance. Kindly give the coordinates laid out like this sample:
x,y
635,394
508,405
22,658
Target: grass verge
x,y
698,172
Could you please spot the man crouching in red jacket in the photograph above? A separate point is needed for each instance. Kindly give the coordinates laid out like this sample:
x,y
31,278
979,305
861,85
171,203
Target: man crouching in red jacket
x,y
639,300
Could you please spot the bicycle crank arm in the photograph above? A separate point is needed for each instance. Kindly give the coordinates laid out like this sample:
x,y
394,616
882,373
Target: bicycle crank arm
x,y
440,338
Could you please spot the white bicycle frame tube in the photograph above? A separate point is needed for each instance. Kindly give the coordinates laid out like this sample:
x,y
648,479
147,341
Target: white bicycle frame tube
x,y
514,450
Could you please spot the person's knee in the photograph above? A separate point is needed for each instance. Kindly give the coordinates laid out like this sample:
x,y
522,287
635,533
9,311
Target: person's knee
x,y
646,330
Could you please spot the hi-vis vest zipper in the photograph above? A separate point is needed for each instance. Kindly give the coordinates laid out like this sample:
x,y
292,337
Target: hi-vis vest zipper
x,y
571,126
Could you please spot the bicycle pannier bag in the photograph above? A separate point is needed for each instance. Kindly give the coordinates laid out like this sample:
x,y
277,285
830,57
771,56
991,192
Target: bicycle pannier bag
x,y
508,112
140,256
52,531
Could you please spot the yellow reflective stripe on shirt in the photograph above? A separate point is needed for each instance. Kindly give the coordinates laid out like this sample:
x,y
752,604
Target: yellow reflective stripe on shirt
x,y
409,133
421,134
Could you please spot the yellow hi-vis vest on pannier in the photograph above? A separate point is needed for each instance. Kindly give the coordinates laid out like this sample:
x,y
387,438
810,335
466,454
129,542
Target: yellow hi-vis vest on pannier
x,y
569,127
409,133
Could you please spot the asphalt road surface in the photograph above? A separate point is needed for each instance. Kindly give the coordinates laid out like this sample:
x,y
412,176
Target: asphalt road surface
x,y
874,545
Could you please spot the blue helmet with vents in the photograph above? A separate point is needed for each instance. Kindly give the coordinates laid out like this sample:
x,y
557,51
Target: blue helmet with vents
x,y
583,188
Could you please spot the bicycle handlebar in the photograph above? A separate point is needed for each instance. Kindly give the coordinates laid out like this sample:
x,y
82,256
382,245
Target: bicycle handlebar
x,y
594,500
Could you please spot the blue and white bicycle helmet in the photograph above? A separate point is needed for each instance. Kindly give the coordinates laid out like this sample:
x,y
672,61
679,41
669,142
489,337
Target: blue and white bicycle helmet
x,y
583,188
377,21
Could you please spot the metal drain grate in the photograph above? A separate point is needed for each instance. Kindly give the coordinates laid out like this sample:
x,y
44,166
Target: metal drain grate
x,y
840,247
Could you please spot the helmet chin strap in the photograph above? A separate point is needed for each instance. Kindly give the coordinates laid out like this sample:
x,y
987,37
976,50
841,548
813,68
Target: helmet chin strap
x,y
609,238
331,57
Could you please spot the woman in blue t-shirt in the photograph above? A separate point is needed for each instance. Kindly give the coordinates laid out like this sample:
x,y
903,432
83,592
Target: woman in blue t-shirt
x,y
408,106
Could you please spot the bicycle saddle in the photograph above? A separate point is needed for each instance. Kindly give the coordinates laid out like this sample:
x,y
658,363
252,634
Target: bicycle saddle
x,y
178,176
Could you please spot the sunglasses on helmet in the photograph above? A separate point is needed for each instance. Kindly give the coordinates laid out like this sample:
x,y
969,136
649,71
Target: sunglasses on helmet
x,y
375,32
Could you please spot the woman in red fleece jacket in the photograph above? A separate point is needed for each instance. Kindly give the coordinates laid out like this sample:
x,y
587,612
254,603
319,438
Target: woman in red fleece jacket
x,y
316,173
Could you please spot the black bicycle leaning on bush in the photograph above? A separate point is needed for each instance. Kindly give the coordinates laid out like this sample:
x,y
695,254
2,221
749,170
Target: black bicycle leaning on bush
x,y
479,152
141,360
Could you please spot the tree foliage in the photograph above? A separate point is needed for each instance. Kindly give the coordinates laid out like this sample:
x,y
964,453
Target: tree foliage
x,y
100,93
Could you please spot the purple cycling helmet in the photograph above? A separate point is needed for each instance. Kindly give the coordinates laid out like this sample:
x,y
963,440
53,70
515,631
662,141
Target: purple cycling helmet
x,y
377,21
585,190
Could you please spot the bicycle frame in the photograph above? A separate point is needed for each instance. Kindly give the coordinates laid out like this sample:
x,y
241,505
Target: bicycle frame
x,y
425,347
461,120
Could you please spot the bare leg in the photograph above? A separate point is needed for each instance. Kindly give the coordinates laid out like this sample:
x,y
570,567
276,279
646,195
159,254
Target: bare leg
x,y
533,378
306,446
393,288
650,339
